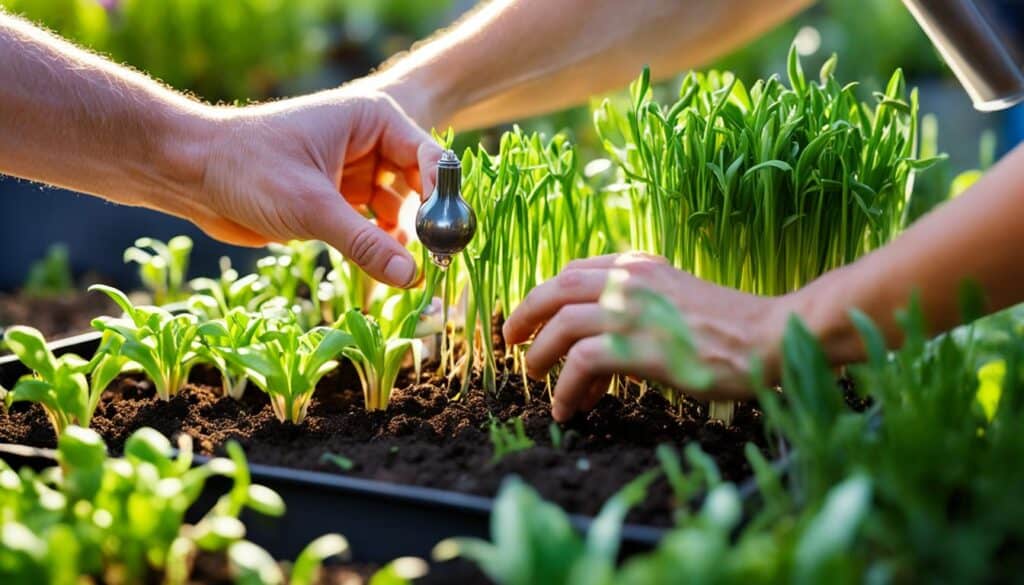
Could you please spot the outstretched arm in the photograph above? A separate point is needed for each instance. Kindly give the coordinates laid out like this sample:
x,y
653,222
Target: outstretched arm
x,y
977,237
244,175
515,58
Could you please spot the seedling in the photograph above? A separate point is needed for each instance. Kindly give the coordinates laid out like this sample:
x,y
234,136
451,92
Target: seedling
x,y
560,439
221,338
162,344
162,267
508,437
214,298
534,215
533,541
291,268
764,189
346,287
51,275
120,520
287,363
377,359
340,461
59,384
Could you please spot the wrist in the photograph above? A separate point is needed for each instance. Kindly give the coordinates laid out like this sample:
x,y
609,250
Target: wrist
x,y
179,155
427,93
824,307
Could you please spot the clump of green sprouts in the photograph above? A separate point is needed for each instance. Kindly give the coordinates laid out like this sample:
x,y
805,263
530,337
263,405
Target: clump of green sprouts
x,y
764,188
507,437
534,215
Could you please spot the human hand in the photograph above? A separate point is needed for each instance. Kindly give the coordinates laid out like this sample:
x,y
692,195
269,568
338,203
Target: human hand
x,y
729,328
309,168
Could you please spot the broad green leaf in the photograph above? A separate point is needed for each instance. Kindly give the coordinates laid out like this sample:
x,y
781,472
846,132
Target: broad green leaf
x,y
30,347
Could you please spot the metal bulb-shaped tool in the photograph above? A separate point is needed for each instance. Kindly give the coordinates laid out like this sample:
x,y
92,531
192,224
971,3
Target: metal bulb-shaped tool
x,y
445,223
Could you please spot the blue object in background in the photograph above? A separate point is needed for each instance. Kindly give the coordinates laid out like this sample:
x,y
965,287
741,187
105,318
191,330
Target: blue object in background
x,y
96,232
1013,129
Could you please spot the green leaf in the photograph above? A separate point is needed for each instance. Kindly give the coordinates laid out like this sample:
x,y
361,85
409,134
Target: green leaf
x,y
329,348
795,71
774,164
82,454
150,446
29,389
832,531
118,297
30,347
304,571
401,571
251,565
990,386
872,337
343,463
265,501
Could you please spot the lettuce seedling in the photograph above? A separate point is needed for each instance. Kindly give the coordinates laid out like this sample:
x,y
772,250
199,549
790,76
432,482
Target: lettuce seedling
x,y
221,337
535,542
162,344
346,287
97,519
377,360
214,298
162,267
252,564
287,363
51,275
292,267
59,384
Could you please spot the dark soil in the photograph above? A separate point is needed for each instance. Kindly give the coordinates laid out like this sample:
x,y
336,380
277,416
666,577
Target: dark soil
x,y
60,316
426,437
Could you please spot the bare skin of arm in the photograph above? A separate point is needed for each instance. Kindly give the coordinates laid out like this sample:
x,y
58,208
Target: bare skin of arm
x,y
977,237
512,59
302,168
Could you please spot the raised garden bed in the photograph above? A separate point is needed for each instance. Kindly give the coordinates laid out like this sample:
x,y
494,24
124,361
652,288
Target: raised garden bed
x,y
419,472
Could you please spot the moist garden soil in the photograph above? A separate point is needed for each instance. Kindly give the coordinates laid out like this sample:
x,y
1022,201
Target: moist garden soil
x,y
427,437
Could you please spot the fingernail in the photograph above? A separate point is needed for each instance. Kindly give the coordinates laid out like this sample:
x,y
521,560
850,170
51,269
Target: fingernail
x,y
400,270
560,413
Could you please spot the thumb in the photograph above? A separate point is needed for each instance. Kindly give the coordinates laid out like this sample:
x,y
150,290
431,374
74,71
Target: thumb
x,y
332,220
429,154
407,146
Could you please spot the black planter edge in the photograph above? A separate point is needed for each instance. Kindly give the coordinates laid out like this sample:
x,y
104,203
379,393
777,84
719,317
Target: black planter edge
x,y
382,520
439,513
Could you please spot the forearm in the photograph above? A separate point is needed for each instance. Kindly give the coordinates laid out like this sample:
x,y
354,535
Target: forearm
x,y
517,58
976,238
73,119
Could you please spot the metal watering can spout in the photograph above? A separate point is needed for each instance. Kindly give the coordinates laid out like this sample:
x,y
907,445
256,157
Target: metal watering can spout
x,y
983,43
